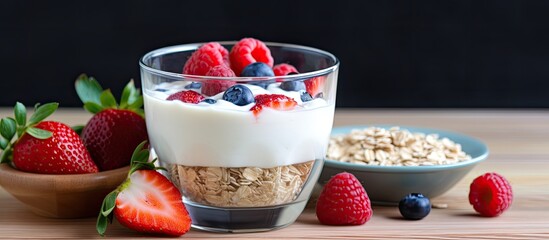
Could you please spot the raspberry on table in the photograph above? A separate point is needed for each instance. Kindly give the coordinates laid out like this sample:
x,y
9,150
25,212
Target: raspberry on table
x,y
206,57
248,51
343,201
490,194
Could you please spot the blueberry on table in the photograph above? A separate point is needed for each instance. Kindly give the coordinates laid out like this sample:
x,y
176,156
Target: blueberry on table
x,y
292,85
257,69
414,206
239,95
193,85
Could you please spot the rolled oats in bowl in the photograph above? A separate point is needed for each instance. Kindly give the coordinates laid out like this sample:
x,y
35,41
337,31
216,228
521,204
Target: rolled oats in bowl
x,y
394,147
391,162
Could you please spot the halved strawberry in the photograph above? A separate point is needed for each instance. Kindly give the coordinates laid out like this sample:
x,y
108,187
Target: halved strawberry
x,y
314,85
146,202
114,130
274,101
186,96
38,146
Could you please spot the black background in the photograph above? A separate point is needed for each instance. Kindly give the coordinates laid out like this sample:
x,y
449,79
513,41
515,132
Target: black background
x,y
465,53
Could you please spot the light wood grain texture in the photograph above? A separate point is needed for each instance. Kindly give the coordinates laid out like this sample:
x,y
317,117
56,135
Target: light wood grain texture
x,y
519,146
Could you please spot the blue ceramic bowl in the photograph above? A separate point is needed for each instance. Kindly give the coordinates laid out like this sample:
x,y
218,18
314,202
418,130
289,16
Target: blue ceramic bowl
x,y
388,184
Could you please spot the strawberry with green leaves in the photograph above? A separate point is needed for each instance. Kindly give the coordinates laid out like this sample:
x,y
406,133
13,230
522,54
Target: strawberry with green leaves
x,y
146,202
42,146
115,130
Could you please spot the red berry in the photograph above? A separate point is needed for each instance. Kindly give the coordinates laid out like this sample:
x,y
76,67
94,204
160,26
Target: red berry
x,y
220,71
115,130
283,69
490,194
186,96
274,101
213,87
62,153
248,51
207,56
111,136
343,201
314,85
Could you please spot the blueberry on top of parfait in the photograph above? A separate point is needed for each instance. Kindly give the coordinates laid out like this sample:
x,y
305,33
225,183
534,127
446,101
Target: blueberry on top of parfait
x,y
257,69
239,95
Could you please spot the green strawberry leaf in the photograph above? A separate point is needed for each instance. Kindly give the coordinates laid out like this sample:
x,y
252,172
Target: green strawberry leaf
x,y
101,225
127,95
39,133
140,159
108,100
131,98
105,214
137,103
88,89
20,114
109,203
42,112
5,157
3,143
8,128
137,150
93,107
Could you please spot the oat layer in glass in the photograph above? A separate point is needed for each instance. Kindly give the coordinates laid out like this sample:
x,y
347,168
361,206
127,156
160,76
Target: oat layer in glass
x,y
241,186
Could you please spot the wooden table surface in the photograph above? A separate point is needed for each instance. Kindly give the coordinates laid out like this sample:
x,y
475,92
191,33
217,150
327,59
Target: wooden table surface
x,y
518,141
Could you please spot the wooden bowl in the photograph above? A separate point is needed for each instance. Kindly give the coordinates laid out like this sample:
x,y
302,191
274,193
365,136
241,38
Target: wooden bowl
x,y
61,196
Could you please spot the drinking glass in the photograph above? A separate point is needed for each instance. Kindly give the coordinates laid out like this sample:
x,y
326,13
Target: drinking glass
x,y
239,171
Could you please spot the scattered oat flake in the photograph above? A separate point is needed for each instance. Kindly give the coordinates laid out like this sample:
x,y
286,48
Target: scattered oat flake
x,y
440,205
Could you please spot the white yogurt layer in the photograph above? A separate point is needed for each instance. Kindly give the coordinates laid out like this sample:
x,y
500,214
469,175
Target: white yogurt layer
x,y
227,135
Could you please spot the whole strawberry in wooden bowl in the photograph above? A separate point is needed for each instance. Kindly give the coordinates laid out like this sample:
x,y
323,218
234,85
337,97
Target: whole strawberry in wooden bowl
x,y
115,129
46,166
